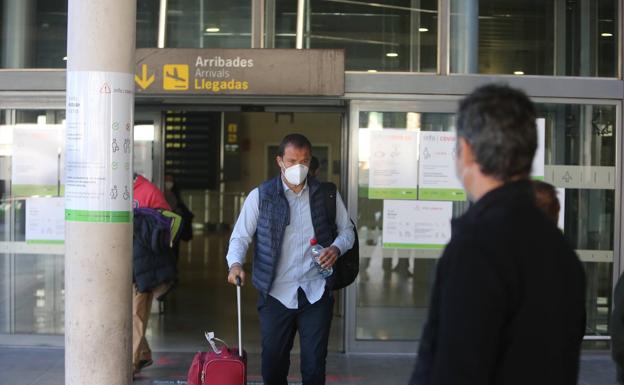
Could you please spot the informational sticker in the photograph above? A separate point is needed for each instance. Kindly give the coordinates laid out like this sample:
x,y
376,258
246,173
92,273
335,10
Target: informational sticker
x,y
36,162
416,224
98,140
45,220
537,170
437,178
393,170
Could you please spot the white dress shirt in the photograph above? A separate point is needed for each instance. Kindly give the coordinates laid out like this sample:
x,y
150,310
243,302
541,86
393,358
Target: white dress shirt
x,y
293,270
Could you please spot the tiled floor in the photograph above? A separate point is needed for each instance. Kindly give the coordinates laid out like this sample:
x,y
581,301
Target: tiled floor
x,y
41,366
390,289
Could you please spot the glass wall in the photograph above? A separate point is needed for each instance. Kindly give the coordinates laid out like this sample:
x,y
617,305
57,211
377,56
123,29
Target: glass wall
x,y
581,140
34,33
531,37
396,278
394,282
535,37
147,24
386,35
208,24
32,231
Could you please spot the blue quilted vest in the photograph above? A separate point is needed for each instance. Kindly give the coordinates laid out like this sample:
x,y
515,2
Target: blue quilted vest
x,y
273,217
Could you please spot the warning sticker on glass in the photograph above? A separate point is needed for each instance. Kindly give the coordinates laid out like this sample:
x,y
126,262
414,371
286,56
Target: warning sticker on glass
x,y
98,139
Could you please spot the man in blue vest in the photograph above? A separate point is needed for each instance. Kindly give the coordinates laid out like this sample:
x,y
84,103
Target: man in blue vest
x,y
282,215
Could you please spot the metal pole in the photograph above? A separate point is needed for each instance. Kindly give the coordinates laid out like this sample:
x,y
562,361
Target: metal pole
x,y
202,26
269,22
257,24
560,9
19,24
415,37
300,19
162,24
444,20
586,39
465,32
98,231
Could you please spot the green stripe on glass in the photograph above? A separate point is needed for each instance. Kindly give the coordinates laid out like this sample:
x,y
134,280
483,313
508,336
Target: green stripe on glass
x,y
441,194
44,242
98,216
392,193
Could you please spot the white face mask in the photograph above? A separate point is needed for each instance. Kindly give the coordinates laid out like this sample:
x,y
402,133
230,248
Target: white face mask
x,y
296,174
168,185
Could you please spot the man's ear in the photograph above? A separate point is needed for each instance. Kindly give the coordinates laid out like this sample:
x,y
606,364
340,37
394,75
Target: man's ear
x,y
278,160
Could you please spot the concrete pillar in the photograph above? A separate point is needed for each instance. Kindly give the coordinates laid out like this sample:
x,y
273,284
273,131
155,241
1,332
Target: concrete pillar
x,y
98,239
18,26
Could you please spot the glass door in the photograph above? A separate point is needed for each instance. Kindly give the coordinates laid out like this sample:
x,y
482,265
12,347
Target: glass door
x,y
388,304
393,171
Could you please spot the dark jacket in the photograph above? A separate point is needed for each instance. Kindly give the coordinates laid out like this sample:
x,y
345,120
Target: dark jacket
x,y
273,217
507,305
153,262
616,327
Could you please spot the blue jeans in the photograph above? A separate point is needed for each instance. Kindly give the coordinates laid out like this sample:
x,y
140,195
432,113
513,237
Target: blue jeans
x,y
278,326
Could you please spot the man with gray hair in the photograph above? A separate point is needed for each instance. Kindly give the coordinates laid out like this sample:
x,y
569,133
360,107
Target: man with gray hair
x,y
507,306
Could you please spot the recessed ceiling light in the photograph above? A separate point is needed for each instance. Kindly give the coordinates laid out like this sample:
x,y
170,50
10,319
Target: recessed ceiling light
x,y
372,71
518,72
213,29
392,54
65,58
606,34
423,29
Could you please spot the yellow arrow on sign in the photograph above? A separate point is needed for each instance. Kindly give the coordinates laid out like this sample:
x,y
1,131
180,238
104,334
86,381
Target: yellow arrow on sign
x,y
144,81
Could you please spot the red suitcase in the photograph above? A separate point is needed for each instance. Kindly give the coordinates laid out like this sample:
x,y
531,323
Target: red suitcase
x,y
223,366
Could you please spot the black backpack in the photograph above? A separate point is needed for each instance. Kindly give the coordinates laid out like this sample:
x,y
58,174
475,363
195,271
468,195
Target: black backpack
x,y
347,266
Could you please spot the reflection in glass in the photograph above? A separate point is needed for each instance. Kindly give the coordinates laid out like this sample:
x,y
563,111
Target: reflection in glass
x,y
393,283
31,285
585,135
34,33
147,24
5,293
534,37
39,294
581,135
387,35
399,281
209,24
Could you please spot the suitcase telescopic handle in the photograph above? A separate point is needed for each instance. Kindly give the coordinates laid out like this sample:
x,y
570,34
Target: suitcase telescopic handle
x,y
238,305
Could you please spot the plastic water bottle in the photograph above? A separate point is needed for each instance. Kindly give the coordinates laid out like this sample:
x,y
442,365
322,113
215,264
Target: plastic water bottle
x,y
316,250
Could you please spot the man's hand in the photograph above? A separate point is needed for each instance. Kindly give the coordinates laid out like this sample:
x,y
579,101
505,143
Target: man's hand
x,y
329,256
236,271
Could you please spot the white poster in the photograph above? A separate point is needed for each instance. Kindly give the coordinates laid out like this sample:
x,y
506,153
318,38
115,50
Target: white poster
x,y
537,170
45,220
99,146
416,224
437,178
36,159
393,170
